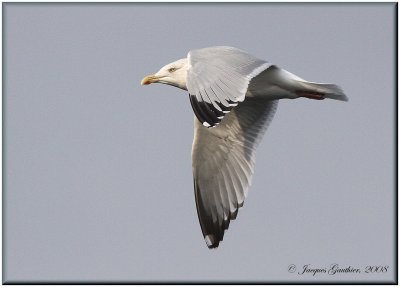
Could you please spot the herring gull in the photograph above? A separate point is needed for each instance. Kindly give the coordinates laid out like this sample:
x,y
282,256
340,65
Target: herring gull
x,y
234,96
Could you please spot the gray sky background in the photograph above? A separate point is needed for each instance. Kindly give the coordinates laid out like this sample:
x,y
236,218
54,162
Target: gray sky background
x,y
98,182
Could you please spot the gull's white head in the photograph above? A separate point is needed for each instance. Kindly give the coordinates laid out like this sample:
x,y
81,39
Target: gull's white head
x,y
173,74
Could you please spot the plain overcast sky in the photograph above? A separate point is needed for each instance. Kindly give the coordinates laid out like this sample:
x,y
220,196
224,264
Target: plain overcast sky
x,y
98,183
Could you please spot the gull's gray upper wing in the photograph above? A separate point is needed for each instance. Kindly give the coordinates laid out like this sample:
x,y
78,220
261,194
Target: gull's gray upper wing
x,y
217,80
223,163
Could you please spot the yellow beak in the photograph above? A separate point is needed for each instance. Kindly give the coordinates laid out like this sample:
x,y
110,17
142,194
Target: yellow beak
x,y
149,80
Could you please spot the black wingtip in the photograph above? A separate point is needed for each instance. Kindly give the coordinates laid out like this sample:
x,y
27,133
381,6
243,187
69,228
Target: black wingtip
x,y
211,241
206,113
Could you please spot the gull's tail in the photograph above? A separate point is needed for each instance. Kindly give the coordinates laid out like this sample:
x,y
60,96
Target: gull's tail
x,y
318,91
298,87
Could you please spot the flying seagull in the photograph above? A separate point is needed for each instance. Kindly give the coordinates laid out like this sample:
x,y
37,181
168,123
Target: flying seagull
x,y
234,96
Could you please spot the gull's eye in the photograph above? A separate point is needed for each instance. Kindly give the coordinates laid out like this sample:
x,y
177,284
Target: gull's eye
x,y
171,70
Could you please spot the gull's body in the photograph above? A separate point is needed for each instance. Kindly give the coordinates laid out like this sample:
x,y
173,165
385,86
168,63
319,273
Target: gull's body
x,y
234,97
